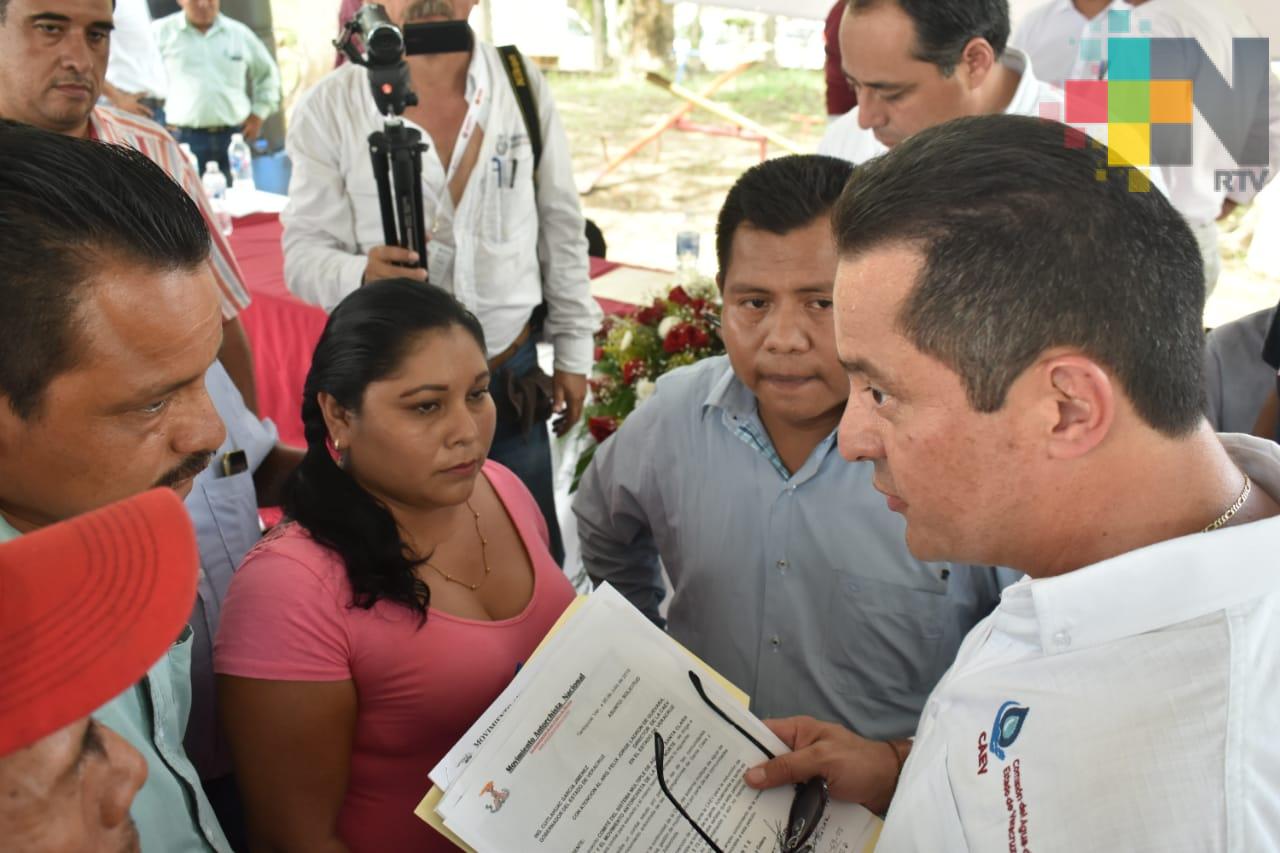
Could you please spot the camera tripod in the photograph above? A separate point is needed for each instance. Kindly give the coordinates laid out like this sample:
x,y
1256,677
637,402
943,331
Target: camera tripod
x,y
397,169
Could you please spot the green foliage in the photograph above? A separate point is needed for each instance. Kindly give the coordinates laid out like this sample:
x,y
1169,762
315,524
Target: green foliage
x,y
633,351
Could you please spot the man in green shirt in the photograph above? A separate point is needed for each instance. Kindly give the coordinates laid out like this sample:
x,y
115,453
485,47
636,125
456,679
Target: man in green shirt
x,y
111,319
209,59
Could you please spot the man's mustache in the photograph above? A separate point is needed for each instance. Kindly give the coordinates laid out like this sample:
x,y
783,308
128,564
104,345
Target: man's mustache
x,y
190,467
74,81
428,8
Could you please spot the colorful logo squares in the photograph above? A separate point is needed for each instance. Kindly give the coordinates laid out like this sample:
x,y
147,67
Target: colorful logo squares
x,y
1148,116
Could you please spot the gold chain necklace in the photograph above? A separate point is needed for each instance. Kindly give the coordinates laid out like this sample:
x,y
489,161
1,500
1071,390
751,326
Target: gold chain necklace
x,y
484,558
1234,508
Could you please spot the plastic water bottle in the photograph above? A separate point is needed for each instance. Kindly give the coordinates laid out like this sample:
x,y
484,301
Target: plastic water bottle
x,y
687,249
240,160
215,186
190,156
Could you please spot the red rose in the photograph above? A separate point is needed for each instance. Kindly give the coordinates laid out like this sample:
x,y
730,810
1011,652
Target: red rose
x,y
675,340
698,305
632,370
601,428
698,337
652,315
599,353
678,296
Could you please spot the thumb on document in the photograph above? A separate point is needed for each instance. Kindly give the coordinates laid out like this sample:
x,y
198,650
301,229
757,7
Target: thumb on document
x,y
856,769
789,768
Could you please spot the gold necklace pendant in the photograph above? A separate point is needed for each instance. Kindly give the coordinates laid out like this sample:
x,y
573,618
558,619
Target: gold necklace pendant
x,y
1234,508
484,558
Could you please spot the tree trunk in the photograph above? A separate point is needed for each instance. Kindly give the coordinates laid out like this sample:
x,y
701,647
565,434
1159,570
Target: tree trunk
x,y
771,39
651,32
600,33
696,65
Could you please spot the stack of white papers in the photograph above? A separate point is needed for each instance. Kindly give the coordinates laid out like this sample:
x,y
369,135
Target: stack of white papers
x,y
564,760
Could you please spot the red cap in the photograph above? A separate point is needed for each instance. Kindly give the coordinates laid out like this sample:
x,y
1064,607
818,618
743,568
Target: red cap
x,y
86,607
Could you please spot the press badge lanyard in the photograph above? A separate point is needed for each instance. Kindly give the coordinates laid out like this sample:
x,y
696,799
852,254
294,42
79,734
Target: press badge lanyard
x,y
469,125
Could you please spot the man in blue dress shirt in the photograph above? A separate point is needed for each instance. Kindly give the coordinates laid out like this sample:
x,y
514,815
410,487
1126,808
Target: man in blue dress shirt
x,y
789,573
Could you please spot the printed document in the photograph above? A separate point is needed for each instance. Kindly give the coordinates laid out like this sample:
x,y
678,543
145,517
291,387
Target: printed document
x,y
564,760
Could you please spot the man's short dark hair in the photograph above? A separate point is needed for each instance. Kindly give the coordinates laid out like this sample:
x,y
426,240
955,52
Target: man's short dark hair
x,y
66,206
1031,243
780,196
944,27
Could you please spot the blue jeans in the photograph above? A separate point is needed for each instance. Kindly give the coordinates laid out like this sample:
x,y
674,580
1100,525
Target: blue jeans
x,y
208,145
527,454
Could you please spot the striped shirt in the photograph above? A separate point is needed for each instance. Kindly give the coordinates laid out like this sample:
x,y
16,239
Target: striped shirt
x,y
107,124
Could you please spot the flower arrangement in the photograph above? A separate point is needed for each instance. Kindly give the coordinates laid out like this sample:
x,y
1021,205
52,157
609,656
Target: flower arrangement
x,y
632,351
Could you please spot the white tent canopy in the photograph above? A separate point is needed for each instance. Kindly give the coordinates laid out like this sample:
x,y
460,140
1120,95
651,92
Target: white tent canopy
x,y
816,9
1264,13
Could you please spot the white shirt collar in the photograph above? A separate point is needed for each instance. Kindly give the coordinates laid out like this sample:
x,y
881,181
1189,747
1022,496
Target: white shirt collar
x,y
1157,586
1058,7
1030,92
186,24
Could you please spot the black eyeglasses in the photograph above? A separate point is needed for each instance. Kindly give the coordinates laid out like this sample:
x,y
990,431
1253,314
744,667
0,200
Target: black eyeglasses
x,y
807,807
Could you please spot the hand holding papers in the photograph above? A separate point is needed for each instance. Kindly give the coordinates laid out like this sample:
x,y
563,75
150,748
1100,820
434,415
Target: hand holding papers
x,y
565,759
807,807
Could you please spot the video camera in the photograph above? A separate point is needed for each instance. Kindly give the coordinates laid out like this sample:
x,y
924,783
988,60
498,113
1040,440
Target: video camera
x,y
397,149
385,46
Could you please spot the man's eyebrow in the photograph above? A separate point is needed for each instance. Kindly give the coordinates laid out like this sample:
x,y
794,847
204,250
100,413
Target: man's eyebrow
x,y
148,394
748,287
90,744
55,18
866,368
878,85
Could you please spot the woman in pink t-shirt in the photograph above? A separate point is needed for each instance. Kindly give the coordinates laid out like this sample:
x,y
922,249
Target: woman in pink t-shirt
x,y
359,641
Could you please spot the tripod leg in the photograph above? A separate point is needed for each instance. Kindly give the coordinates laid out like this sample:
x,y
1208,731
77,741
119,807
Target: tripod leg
x,y
420,234
406,173
380,150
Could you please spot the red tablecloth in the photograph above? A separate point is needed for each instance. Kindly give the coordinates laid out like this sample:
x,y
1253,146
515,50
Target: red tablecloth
x,y
283,329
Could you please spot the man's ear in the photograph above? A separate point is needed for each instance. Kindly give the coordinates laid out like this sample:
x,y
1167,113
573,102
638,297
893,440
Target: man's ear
x,y
1080,397
977,61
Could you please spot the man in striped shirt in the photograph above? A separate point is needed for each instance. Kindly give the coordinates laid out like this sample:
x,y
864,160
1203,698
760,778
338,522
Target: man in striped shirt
x,y
53,59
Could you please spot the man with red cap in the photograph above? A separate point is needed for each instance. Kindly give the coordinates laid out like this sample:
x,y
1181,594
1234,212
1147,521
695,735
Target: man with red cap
x,y
66,780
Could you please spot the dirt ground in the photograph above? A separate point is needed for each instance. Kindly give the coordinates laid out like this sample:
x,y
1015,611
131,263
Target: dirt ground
x,y
679,182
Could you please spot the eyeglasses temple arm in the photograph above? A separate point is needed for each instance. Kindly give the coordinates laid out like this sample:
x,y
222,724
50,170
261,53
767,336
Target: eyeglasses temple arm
x,y
697,685
658,749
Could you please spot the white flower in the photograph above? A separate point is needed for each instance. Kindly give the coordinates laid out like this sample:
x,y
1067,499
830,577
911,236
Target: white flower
x,y
665,327
644,390
627,340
